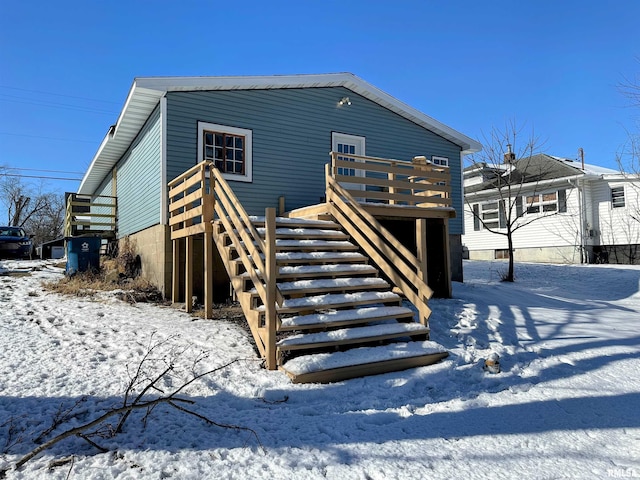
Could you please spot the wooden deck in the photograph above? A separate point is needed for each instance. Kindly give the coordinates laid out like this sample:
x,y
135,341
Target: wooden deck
x,y
318,282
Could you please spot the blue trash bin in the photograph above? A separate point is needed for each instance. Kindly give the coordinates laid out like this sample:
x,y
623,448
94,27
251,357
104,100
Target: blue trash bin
x,y
83,253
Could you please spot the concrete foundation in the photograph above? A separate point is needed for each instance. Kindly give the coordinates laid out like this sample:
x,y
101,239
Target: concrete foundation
x,y
567,255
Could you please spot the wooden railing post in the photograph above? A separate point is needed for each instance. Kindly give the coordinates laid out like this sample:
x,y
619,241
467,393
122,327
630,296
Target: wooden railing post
x,y
270,280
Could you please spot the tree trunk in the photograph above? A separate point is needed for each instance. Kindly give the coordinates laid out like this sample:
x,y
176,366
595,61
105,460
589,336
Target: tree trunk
x,y
510,276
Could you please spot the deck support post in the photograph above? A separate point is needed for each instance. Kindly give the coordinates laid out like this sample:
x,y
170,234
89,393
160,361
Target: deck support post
x,y
421,254
270,280
188,275
175,278
208,274
447,255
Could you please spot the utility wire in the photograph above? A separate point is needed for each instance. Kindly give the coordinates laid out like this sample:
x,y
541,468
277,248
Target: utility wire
x,y
41,177
47,138
58,94
42,170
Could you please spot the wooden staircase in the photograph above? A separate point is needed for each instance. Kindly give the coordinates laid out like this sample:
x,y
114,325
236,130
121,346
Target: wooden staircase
x,y
338,318
320,295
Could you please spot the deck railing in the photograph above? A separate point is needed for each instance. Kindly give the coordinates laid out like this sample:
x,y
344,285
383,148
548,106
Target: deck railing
x,y
392,182
90,215
394,259
197,198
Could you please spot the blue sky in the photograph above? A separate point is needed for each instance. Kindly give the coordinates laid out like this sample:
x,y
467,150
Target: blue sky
x,y
553,66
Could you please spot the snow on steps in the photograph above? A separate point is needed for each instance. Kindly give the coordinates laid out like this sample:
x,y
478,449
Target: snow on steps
x,y
337,366
336,318
331,301
345,336
334,300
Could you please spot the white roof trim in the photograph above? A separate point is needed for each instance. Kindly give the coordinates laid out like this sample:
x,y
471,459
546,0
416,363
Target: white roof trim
x,y
145,93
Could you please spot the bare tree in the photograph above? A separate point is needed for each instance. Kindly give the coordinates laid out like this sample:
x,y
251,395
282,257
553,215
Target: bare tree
x,y
512,171
40,213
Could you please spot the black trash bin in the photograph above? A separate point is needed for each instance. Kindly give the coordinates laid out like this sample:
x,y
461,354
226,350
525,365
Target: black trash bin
x,y
83,253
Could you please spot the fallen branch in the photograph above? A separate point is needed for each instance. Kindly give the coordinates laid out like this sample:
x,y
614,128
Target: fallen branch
x,y
137,404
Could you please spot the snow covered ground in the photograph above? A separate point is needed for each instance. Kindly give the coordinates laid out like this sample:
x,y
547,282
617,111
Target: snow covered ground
x,y
565,405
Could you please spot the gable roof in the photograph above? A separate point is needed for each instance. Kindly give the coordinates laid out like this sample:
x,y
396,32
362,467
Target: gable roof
x,y
146,92
534,169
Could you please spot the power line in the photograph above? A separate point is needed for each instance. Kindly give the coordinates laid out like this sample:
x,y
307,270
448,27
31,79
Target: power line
x,y
58,94
41,177
46,103
42,170
47,138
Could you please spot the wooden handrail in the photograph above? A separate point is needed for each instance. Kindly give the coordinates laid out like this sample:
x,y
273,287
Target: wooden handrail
x,y
258,257
395,260
394,182
74,217
190,202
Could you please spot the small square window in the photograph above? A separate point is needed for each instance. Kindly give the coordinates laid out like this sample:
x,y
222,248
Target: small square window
x,y
617,197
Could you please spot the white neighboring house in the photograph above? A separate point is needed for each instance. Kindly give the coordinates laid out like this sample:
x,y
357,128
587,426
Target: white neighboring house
x,y
584,213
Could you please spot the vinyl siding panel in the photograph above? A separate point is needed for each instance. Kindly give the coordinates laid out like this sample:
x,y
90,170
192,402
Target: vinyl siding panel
x,y
617,225
291,130
557,230
139,180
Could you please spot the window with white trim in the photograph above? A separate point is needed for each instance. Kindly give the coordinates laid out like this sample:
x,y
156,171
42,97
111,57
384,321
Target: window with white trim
x,y
229,148
617,197
548,202
440,161
492,215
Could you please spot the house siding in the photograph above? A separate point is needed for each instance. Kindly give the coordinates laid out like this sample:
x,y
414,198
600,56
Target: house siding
x,y
139,180
618,225
552,232
291,131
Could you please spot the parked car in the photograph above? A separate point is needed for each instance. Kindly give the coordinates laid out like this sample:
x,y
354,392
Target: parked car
x,y
15,243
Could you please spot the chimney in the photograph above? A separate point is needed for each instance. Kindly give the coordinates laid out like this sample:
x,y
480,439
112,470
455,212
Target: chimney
x,y
509,157
581,154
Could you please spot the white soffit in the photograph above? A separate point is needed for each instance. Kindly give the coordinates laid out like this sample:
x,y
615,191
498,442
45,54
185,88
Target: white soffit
x,y
145,94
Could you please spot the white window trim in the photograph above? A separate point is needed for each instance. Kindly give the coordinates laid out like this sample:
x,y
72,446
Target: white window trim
x,y
248,149
336,138
445,161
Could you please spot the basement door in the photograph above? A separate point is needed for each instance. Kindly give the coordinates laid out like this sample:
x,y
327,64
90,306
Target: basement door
x,y
346,145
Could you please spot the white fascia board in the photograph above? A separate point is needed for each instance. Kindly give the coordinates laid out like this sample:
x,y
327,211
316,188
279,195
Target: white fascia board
x,y
525,187
145,93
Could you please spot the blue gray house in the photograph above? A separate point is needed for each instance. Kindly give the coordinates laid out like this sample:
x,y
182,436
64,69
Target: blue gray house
x,y
333,210
288,125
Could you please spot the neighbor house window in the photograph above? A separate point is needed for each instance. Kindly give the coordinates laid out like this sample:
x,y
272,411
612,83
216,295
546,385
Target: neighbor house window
x,y
617,197
229,148
440,161
548,202
492,215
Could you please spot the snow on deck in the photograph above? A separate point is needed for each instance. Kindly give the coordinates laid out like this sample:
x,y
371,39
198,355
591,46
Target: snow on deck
x,y
360,356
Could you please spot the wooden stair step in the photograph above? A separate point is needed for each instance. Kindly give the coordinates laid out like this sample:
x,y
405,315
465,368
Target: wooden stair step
x,y
307,233
337,318
314,245
331,301
332,285
346,336
330,270
286,258
296,223
357,362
